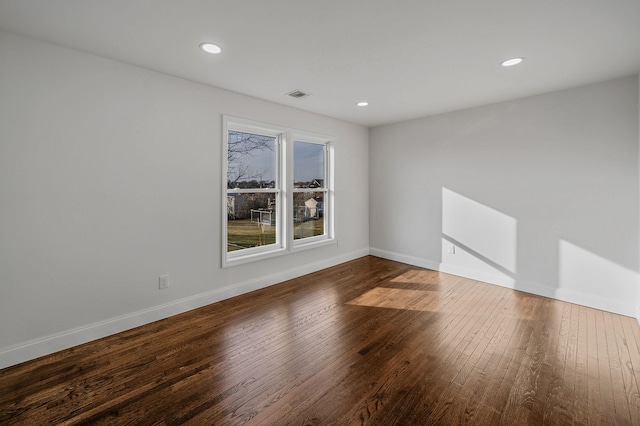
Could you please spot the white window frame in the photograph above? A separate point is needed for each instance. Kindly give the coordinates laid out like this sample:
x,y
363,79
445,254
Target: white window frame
x,y
285,243
327,189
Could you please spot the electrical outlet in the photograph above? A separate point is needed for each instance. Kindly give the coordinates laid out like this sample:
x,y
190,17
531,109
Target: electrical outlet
x,y
452,249
163,282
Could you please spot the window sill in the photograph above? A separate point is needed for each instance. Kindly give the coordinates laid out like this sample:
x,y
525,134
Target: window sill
x,y
226,263
313,244
240,260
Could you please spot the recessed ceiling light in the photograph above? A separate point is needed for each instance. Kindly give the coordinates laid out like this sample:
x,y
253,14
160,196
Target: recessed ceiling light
x,y
362,103
511,62
211,48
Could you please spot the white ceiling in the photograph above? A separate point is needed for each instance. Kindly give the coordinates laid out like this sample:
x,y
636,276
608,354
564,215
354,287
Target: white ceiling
x,y
407,58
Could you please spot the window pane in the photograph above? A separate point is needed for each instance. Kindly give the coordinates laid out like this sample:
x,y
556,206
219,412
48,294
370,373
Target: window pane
x,y
251,160
308,214
308,165
251,220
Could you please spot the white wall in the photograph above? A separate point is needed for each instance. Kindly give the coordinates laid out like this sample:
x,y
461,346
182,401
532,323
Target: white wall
x,y
109,177
539,194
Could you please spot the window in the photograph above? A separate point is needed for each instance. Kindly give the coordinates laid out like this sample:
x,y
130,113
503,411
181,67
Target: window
x,y
277,195
309,189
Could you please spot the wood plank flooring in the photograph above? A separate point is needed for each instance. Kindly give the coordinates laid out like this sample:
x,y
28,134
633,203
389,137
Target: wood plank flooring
x,y
367,342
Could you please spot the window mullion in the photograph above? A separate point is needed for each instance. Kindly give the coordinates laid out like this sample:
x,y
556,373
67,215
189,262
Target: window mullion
x,y
287,187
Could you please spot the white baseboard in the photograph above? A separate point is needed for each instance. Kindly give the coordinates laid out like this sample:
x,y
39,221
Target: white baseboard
x,y
56,342
563,294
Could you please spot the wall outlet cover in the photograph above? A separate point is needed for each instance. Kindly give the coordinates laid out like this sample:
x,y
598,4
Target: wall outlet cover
x,y
163,282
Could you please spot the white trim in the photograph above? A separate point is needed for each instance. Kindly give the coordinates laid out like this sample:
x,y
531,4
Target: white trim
x,y
262,253
313,244
16,354
252,126
284,190
559,293
327,189
280,246
330,226
26,351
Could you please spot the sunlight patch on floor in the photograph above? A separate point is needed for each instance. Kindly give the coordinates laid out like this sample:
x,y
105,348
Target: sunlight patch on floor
x,y
395,298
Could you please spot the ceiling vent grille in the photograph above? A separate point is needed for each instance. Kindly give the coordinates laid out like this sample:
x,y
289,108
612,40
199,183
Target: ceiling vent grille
x,y
298,94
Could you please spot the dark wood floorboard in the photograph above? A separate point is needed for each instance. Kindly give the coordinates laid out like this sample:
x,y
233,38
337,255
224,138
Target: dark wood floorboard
x,y
368,342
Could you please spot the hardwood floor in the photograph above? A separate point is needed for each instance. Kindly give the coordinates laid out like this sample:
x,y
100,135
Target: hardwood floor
x,y
367,342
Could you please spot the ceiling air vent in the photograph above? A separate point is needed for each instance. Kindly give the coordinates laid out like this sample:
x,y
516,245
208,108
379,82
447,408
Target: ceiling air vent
x,y
298,94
